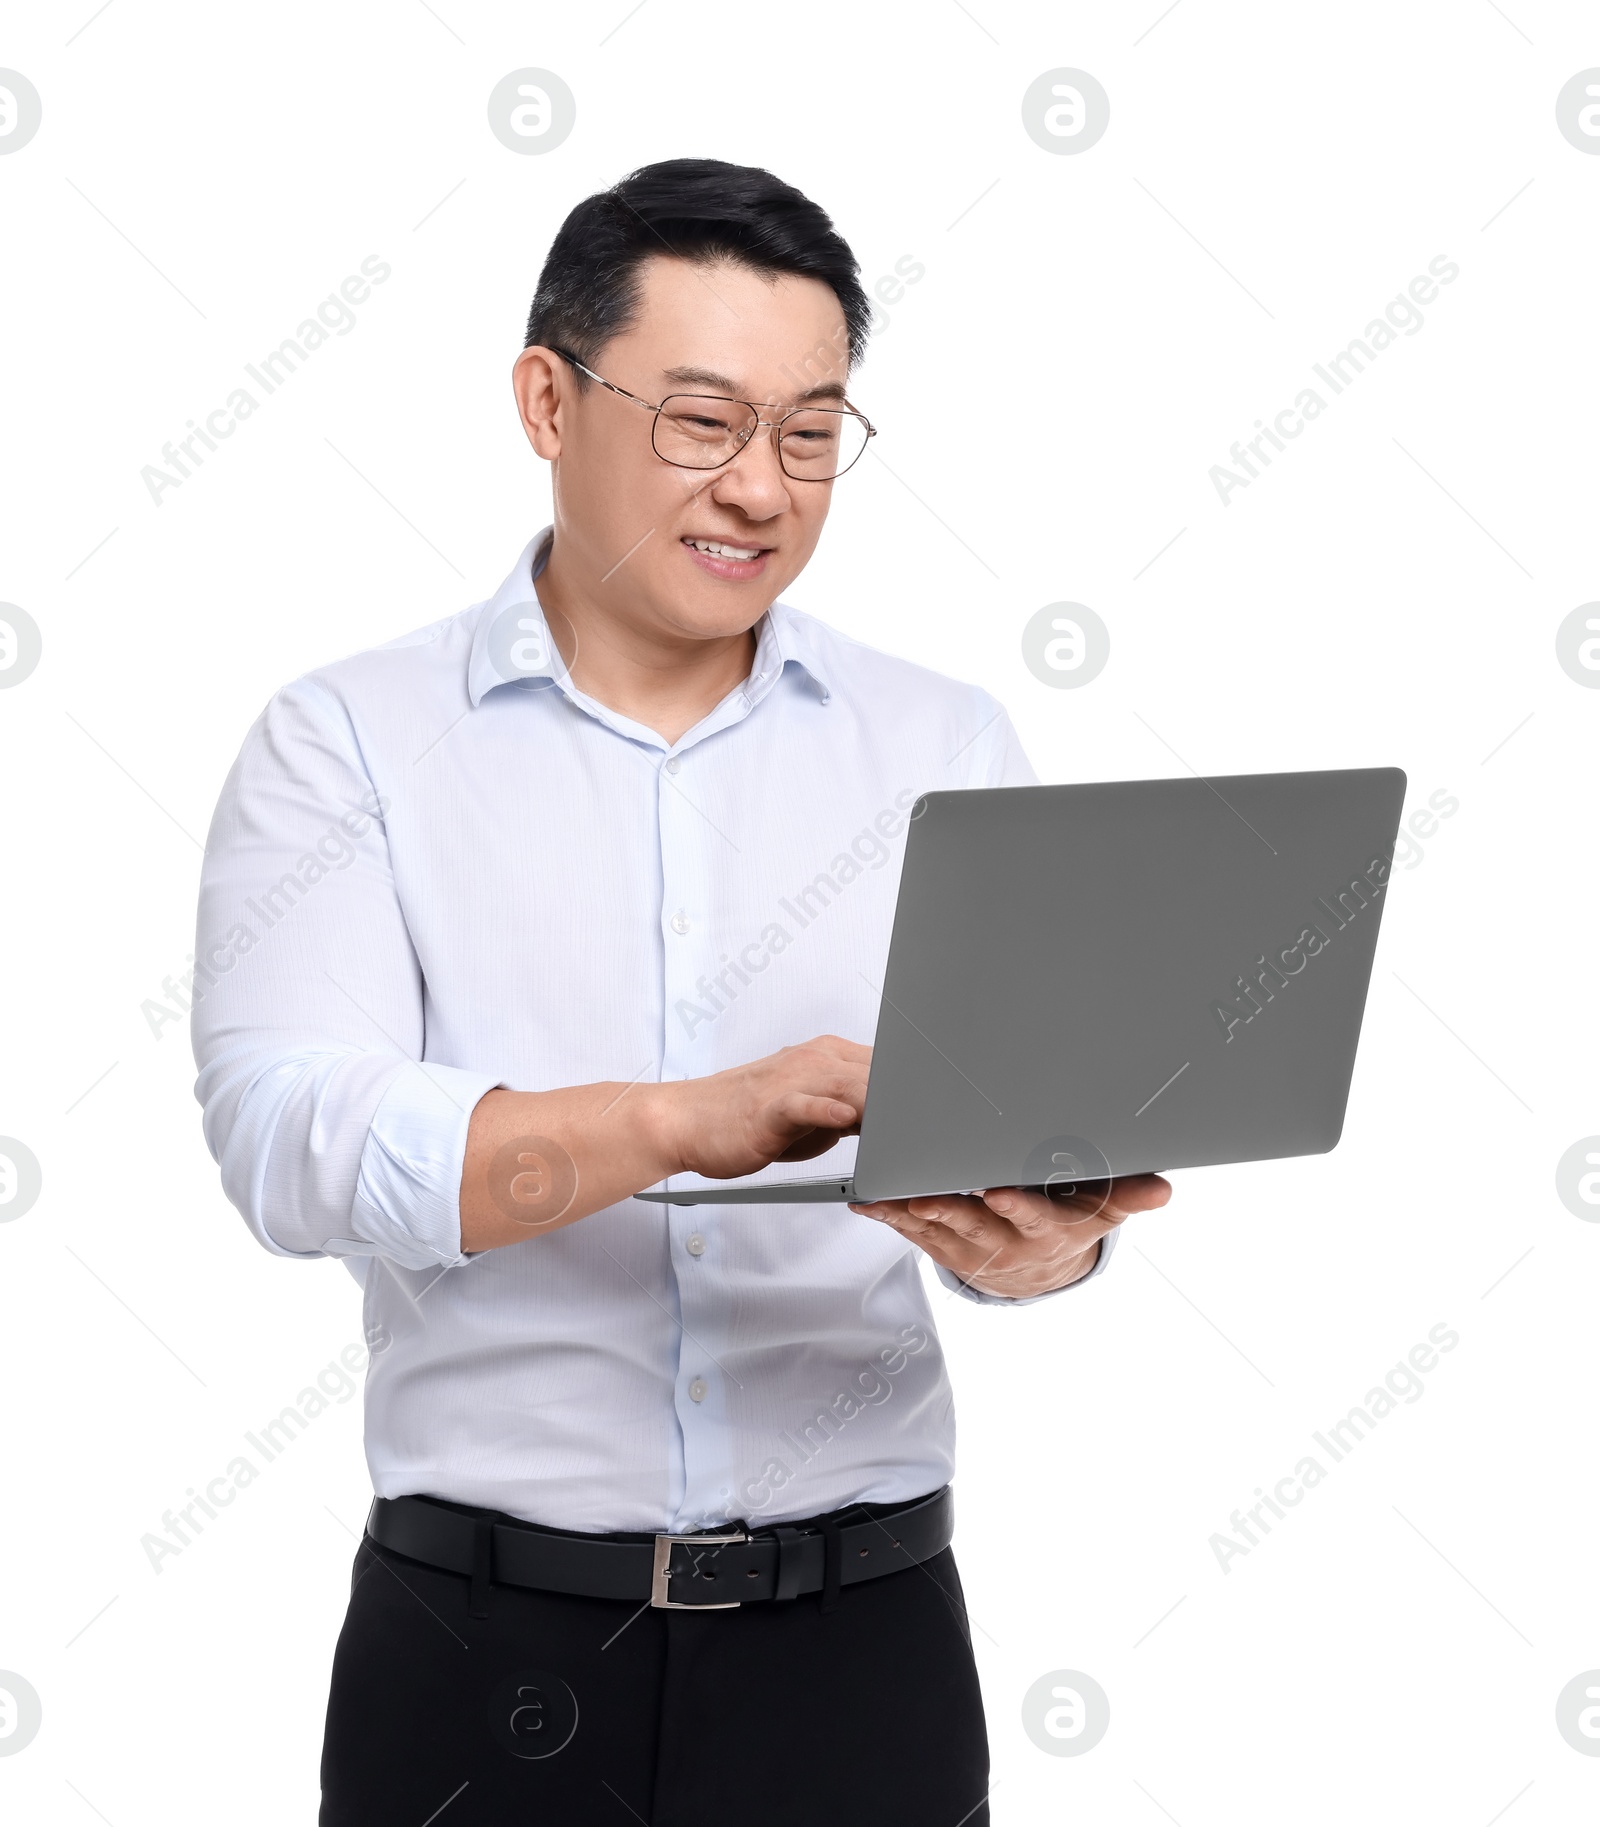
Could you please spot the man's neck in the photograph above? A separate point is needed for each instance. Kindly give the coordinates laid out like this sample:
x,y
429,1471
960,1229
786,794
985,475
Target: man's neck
x,y
667,683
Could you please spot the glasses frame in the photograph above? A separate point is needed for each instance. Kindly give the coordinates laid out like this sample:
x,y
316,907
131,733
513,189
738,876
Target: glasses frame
x,y
775,426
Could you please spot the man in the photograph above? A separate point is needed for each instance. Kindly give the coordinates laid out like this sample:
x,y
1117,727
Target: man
x,y
582,889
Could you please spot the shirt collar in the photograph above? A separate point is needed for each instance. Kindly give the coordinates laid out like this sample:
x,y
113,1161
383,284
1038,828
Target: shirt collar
x,y
511,644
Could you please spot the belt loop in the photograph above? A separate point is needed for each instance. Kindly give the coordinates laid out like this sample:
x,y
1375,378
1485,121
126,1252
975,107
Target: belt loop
x,y
788,1580
482,1567
830,1563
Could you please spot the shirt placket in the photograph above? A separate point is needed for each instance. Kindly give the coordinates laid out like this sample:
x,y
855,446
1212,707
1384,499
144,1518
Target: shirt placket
x,y
689,924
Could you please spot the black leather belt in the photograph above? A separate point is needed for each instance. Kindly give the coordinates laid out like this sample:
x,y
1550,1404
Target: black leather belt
x,y
713,1570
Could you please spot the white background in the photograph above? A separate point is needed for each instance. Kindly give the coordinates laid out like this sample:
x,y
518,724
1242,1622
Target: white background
x,y
1387,593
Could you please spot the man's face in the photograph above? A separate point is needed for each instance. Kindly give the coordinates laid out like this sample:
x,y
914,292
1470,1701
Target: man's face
x,y
630,527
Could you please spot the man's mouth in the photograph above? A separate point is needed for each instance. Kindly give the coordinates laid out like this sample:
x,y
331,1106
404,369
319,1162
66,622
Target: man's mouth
x,y
727,558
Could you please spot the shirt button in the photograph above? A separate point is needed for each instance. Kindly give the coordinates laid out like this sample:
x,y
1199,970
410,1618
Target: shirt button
x,y
673,764
697,1390
696,1245
680,922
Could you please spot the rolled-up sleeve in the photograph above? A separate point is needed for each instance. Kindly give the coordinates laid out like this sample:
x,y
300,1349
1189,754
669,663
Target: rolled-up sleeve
x,y
333,1137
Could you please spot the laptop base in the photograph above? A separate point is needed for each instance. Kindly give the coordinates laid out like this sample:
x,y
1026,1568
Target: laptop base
x,y
834,1191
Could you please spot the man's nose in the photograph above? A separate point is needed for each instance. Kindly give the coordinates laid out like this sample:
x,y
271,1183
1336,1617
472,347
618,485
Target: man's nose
x,y
754,480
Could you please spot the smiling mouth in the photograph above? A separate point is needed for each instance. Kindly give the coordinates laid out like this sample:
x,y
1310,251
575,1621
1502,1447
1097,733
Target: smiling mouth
x,y
723,548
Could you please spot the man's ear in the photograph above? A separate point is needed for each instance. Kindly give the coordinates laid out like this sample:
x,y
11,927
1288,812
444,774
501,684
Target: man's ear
x,y
537,379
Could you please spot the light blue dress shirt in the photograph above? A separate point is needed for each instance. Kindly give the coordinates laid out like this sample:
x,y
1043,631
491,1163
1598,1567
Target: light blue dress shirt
x,y
439,867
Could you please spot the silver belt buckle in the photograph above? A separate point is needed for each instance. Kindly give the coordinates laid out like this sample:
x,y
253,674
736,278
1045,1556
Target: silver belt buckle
x,y
662,1571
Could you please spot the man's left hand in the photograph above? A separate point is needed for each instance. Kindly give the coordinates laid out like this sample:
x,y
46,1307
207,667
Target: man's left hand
x,y
1017,1241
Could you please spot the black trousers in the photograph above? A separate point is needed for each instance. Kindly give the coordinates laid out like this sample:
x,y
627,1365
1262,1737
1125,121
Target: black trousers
x,y
572,1711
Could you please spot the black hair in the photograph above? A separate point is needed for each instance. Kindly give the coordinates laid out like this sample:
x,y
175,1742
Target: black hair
x,y
696,209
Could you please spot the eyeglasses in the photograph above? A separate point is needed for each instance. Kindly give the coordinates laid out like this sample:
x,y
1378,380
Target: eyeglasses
x,y
708,430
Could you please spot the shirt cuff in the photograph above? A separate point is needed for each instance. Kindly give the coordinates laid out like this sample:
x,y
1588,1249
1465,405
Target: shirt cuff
x,y
407,1205
957,1286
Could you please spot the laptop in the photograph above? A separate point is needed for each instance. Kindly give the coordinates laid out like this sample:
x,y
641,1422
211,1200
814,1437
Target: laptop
x,y
1116,978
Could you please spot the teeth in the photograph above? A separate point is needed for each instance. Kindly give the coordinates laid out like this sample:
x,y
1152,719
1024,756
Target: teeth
x,y
719,549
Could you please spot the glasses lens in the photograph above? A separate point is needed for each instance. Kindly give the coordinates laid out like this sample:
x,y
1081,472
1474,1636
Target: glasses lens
x,y
701,431
818,444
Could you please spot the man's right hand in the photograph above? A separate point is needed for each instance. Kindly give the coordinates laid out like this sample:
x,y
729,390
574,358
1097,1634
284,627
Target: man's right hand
x,y
790,1106
541,1160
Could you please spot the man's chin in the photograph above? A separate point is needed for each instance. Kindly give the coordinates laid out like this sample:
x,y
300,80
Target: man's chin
x,y
712,609
714,622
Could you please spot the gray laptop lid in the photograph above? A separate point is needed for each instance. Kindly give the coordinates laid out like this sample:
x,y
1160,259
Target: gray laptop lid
x,y
1125,976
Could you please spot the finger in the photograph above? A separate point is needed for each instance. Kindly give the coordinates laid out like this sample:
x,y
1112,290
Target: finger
x,y
1087,1196
1121,1198
900,1217
802,1110
838,1048
923,1217
813,1143
966,1218
1113,1199
937,1239
1035,1215
1141,1192
849,1086
829,1080
895,1214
